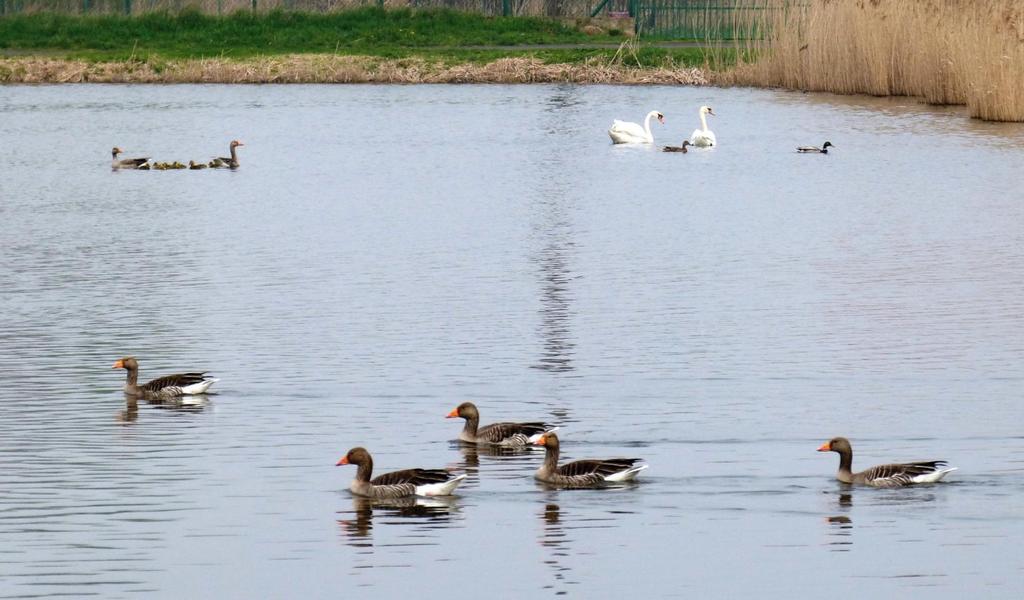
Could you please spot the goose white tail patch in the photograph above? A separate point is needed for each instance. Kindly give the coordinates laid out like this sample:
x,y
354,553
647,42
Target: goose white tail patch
x,y
199,388
440,489
627,475
935,476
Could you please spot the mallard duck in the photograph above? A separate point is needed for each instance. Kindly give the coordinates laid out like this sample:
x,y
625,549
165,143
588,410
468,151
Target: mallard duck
x,y
499,434
816,150
125,163
195,166
583,473
677,148
894,475
397,484
162,388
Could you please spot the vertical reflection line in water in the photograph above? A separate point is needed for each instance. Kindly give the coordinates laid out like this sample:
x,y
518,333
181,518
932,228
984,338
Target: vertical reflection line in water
x,y
554,545
841,526
554,230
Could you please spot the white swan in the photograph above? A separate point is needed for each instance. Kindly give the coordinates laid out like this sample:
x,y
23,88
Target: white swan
x,y
704,137
623,132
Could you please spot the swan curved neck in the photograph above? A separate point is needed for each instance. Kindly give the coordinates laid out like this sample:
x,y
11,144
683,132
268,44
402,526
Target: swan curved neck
x,y
703,121
647,124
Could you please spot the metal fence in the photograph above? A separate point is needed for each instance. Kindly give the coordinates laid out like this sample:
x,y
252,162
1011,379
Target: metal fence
x,y
690,19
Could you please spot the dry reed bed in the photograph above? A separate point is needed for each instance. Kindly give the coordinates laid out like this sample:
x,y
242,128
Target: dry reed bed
x,y
943,51
336,69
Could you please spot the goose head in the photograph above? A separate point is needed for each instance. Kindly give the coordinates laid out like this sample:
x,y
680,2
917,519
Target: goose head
x,y
355,456
548,440
837,444
236,143
127,362
466,410
116,151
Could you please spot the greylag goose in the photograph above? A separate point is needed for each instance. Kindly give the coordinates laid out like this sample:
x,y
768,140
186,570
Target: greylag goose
x,y
583,473
499,434
677,148
125,163
816,150
163,388
397,484
884,476
230,162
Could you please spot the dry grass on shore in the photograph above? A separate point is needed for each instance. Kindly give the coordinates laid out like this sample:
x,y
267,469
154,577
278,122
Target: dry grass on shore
x,y
314,68
943,51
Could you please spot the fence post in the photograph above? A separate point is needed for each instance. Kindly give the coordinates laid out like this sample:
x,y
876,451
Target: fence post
x,y
3,7
253,5
127,7
506,8
380,4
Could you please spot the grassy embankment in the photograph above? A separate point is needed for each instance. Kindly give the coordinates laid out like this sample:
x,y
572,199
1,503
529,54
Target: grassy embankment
x,y
942,51
359,45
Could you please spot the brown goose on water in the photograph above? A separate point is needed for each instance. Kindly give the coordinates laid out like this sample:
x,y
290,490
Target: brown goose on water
x,y
499,434
230,162
125,163
163,388
894,475
583,473
398,484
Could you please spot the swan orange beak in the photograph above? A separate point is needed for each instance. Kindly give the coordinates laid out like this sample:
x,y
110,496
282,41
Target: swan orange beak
x,y
343,461
542,441
826,447
118,365
453,414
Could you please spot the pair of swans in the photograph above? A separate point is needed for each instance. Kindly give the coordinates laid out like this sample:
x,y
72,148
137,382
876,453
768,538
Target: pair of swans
x,y
623,132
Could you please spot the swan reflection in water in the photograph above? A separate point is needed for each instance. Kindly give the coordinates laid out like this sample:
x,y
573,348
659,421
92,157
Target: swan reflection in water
x,y
433,513
130,414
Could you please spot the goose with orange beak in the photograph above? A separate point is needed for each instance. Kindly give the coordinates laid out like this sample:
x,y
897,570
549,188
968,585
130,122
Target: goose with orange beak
x,y
397,484
511,435
589,473
163,388
884,476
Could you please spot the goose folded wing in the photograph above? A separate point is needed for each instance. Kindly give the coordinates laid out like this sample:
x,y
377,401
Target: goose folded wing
x,y
603,468
413,476
499,432
179,380
900,474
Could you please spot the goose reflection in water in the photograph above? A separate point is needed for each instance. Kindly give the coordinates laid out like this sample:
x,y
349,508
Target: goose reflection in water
x,y
130,414
555,542
517,458
434,513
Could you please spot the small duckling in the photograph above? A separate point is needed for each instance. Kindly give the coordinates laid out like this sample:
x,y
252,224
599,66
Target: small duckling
x,y
160,166
178,165
217,164
194,165
678,148
143,167
814,149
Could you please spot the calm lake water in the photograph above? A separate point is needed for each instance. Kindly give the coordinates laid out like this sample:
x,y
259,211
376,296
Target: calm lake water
x,y
387,252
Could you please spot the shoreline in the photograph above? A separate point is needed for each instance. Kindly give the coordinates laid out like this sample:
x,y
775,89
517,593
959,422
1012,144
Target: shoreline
x,y
330,68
